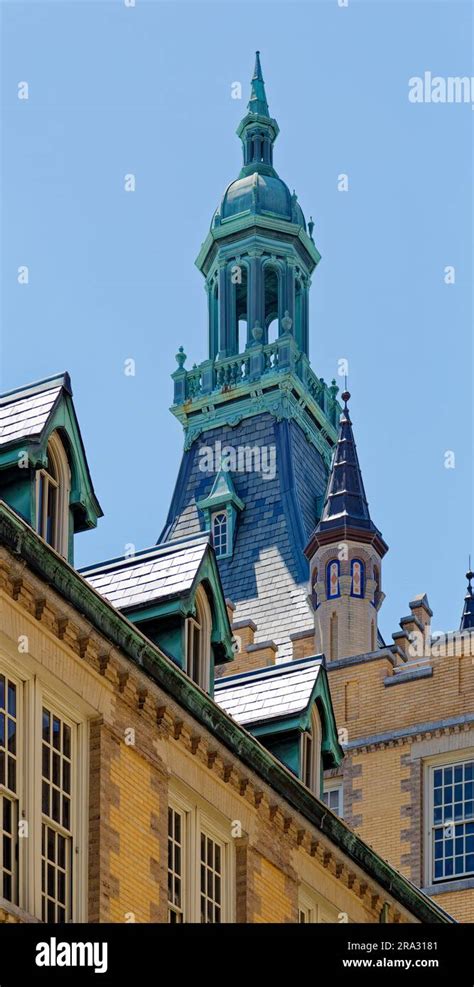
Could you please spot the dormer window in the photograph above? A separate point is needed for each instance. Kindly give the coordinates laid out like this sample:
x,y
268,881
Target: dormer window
x,y
220,534
332,579
358,577
311,754
198,642
53,485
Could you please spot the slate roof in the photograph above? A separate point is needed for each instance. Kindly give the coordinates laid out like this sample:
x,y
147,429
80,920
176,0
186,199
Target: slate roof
x,y
156,574
25,412
267,577
267,694
345,503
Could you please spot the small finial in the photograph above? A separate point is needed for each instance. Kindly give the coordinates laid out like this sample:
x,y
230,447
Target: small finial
x,y
311,227
181,357
257,331
286,322
345,397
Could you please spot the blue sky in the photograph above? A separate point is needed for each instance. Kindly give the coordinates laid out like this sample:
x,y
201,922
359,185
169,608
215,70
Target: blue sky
x,y
147,90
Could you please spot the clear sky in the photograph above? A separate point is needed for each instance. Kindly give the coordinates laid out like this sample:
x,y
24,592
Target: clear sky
x,y
146,90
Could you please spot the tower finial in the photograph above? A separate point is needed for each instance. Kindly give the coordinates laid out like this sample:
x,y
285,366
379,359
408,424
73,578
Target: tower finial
x,y
258,100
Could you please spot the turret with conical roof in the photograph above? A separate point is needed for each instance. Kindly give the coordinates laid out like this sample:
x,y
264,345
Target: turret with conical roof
x,y
345,553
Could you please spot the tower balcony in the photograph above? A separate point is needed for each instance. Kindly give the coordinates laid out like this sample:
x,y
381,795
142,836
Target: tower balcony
x,y
275,376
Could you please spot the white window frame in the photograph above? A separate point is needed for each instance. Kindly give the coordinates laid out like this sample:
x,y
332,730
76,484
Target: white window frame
x,y
17,798
312,738
221,553
62,483
32,695
197,817
448,759
335,786
314,907
203,622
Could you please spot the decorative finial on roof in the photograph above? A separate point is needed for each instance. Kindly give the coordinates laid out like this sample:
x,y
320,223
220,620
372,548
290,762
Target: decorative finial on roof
x,y
258,100
311,227
467,619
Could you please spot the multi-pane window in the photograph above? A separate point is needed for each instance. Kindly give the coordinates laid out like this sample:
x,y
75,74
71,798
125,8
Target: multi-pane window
x,y
198,641
8,789
220,529
47,494
333,797
311,754
211,879
452,820
313,908
56,830
175,865
199,865
52,497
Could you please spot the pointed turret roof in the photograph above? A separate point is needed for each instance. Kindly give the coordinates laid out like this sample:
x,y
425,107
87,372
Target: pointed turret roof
x,y
258,99
467,619
346,511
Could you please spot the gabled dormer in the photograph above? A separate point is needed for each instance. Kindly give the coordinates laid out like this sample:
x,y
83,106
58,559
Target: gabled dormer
x,y
221,509
44,474
288,707
174,594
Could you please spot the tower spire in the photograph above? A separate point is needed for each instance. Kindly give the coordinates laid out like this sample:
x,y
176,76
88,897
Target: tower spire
x,y
346,504
258,100
467,619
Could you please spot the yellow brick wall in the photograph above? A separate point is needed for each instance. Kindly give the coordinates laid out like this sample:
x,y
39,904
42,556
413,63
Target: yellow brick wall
x,y
137,852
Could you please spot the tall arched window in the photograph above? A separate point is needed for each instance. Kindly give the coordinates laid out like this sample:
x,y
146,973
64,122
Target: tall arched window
x,y
357,577
53,486
311,754
333,570
198,641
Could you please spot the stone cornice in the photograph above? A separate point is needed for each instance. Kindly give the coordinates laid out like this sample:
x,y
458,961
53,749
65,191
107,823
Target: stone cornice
x,y
282,395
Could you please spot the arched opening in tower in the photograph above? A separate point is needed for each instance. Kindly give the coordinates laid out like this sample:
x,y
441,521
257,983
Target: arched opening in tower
x,y
241,309
271,288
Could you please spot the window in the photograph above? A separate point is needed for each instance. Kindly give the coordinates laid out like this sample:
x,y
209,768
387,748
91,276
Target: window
x,y
52,497
451,822
8,789
311,754
333,798
220,533
211,879
332,579
198,641
312,907
56,833
43,779
175,865
200,863
314,583
357,578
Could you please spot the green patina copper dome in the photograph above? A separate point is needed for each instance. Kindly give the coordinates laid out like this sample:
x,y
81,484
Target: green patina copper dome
x,y
262,194
258,189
